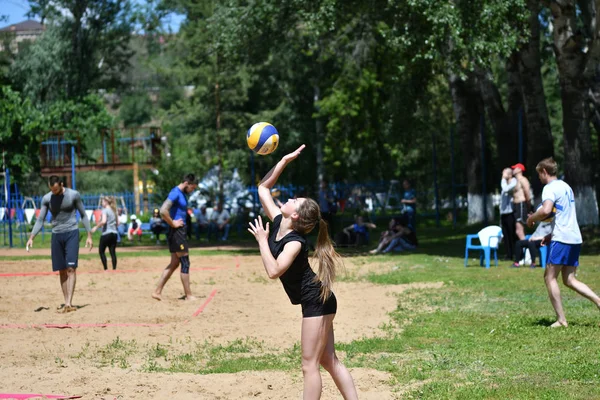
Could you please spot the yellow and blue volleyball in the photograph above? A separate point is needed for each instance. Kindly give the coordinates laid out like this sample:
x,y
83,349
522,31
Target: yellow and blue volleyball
x,y
549,217
262,138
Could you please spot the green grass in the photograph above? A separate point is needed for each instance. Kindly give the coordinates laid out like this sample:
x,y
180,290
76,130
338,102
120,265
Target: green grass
x,y
208,358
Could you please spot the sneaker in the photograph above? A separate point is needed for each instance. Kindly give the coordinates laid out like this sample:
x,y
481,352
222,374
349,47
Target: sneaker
x,y
514,265
532,266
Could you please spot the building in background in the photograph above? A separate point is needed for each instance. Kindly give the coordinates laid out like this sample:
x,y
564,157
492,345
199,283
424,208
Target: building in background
x,y
20,34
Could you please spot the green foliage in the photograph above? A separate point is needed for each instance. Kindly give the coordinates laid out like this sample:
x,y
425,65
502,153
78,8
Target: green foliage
x,y
88,44
39,71
135,109
20,126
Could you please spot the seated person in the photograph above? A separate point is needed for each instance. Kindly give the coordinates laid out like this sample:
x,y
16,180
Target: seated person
x,y
400,238
533,244
386,236
219,222
356,234
135,228
122,225
157,225
202,221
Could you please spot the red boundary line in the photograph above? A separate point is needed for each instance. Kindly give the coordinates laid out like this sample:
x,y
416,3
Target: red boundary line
x,y
116,271
210,297
65,326
34,395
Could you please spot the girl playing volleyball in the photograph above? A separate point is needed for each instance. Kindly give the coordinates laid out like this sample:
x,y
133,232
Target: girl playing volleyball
x,y
284,253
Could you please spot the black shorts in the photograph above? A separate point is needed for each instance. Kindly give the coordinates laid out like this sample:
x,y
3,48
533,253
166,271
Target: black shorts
x,y
520,212
65,250
316,308
177,240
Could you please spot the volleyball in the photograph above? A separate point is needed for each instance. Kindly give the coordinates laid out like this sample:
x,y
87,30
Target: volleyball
x,y
262,138
550,217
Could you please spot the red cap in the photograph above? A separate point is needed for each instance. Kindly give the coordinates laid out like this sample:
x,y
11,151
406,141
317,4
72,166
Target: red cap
x,y
520,166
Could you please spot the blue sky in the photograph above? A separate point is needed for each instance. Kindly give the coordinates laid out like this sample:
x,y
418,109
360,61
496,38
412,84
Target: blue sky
x,y
16,10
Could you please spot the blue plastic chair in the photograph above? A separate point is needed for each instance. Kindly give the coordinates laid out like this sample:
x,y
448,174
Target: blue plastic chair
x,y
489,239
543,253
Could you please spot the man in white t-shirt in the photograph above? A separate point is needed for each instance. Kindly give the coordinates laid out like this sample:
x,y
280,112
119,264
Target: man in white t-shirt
x,y
565,241
219,222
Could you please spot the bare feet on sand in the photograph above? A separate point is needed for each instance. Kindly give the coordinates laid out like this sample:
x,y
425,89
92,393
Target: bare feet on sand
x,y
559,324
66,309
156,296
189,298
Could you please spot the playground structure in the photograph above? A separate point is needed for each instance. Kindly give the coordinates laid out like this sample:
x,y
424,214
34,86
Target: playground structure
x,y
119,149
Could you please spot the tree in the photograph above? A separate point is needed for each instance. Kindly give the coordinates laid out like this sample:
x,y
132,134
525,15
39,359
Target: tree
x,y
39,71
20,127
135,109
539,134
96,34
577,52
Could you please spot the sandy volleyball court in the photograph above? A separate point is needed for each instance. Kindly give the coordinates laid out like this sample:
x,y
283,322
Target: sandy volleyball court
x,y
46,352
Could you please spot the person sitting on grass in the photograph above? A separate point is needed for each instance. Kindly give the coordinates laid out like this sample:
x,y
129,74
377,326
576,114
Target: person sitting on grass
x,y
356,234
386,236
402,237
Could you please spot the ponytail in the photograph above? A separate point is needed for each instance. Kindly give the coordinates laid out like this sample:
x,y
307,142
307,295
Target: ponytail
x,y
328,260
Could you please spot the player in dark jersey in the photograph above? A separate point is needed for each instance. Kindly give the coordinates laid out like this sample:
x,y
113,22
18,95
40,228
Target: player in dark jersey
x,y
173,212
284,252
63,203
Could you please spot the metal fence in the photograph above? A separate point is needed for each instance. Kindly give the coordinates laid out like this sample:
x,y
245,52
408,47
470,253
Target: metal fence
x,y
17,216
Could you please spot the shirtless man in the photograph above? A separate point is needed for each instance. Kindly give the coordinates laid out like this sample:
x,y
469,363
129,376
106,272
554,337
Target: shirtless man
x,y
521,199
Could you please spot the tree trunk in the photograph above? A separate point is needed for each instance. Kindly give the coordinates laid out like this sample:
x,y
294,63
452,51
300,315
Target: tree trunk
x,y
539,139
498,118
515,115
466,102
572,61
320,137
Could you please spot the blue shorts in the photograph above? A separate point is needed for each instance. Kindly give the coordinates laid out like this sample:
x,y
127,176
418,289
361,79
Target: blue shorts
x,y
65,250
564,254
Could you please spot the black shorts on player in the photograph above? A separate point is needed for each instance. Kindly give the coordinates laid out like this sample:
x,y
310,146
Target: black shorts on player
x,y
177,240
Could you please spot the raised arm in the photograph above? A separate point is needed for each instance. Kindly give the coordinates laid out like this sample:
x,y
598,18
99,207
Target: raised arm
x,y
269,180
509,185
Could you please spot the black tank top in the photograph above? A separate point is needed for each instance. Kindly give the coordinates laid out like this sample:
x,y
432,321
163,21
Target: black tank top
x,y
299,279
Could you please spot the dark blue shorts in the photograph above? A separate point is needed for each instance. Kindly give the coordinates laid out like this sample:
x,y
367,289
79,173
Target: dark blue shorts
x,y
65,250
564,254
